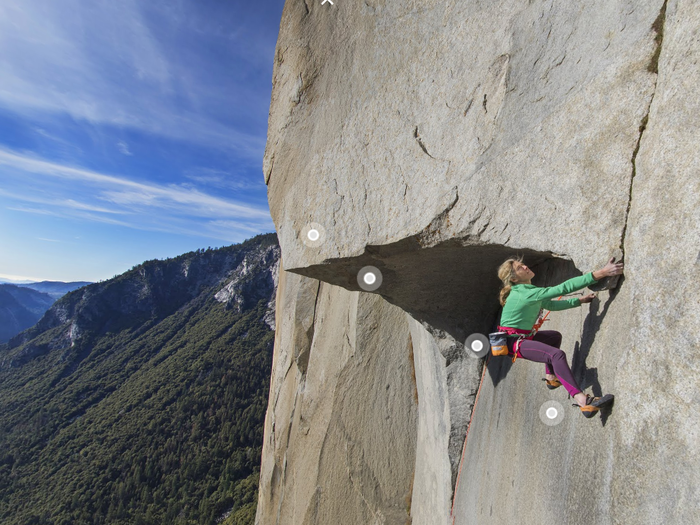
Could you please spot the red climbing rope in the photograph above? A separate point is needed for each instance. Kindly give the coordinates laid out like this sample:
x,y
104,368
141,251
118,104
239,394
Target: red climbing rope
x,y
464,447
540,321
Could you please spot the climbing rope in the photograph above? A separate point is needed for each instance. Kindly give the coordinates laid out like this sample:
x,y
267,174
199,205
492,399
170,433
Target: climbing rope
x,y
538,324
540,321
464,447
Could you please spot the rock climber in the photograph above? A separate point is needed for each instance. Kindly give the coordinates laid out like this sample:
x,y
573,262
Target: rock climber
x,y
522,303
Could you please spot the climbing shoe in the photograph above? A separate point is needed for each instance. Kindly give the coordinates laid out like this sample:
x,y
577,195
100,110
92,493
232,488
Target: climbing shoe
x,y
593,404
552,383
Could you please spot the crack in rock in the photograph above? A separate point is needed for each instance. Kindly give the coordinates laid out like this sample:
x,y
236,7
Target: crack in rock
x,y
431,232
420,142
658,27
469,105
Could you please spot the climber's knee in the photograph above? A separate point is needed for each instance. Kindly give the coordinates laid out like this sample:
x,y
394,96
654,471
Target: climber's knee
x,y
559,355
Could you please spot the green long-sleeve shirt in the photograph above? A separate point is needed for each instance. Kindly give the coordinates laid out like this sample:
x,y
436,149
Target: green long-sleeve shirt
x,y
525,300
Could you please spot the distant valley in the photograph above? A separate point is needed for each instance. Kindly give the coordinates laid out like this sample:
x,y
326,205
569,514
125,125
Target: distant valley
x,y
55,289
22,305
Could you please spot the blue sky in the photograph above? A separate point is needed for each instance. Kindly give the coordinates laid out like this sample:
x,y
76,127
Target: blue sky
x,y
130,130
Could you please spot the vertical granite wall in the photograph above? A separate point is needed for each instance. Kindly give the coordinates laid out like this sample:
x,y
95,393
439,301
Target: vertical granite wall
x,y
431,141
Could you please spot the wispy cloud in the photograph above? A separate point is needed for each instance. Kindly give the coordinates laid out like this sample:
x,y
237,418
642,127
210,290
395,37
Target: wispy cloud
x,y
56,139
18,278
215,178
56,202
123,147
129,192
36,211
130,130
101,62
138,205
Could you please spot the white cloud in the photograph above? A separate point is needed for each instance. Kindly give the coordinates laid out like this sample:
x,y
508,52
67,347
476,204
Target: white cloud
x,y
70,203
19,278
215,178
139,205
99,61
123,147
57,202
124,191
35,211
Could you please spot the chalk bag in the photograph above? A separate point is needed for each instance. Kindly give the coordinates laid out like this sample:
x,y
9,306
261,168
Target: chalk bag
x,y
499,343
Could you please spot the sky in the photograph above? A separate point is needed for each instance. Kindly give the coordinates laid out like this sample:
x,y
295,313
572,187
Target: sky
x,y
130,131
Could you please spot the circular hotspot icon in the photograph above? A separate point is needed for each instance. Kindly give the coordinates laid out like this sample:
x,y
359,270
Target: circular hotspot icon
x,y
369,278
551,413
313,235
477,345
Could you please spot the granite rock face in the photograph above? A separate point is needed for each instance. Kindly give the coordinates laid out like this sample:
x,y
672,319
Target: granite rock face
x,y
342,395
432,141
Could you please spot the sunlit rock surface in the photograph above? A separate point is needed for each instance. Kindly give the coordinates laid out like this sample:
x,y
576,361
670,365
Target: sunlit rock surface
x,y
432,141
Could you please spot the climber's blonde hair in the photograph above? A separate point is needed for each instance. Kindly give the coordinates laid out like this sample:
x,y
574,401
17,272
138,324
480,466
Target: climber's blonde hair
x,y
505,274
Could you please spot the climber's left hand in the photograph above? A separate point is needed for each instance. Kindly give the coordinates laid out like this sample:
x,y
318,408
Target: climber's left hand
x,y
588,298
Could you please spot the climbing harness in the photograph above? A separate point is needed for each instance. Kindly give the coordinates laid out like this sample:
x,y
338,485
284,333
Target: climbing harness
x,y
522,334
499,340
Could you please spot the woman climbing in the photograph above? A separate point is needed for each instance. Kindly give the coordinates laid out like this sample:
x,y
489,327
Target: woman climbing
x,y
522,301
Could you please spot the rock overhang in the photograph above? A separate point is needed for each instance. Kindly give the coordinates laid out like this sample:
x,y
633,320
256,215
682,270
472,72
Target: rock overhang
x,y
522,137
452,287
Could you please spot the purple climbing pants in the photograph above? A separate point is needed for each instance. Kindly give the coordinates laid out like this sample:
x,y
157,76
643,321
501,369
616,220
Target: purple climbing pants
x,y
544,348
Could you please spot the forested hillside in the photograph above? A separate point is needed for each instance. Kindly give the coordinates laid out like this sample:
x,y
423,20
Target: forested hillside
x,y
141,399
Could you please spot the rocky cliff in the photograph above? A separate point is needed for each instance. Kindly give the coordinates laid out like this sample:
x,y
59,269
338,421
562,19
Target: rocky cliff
x,y
430,141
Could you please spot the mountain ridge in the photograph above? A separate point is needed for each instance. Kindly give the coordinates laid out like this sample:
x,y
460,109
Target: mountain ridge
x,y
55,289
142,397
20,308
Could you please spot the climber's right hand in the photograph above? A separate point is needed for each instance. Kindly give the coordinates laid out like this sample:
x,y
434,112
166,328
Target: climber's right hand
x,y
610,269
